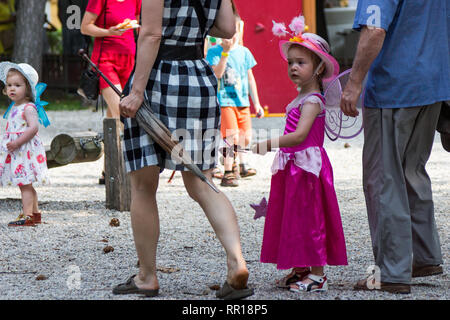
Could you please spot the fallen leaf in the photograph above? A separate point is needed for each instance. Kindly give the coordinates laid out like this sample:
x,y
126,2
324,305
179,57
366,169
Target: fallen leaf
x,y
214,287
114,222
167,270
41,277
108,249
346,145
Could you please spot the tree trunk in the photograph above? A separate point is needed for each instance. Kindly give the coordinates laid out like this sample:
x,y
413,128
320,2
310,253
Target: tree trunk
x,y
29,32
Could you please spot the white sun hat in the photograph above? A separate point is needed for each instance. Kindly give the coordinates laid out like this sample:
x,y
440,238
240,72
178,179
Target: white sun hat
x,y
25,69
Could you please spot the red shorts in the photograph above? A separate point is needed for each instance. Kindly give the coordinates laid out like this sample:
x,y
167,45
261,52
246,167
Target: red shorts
x,y
116,67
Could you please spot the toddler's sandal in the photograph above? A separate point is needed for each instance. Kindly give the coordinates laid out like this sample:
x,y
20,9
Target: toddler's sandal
x,y
37,217
319,284
24,221
294,276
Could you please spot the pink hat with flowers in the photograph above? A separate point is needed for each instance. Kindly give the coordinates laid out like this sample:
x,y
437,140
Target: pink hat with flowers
x,y
310,41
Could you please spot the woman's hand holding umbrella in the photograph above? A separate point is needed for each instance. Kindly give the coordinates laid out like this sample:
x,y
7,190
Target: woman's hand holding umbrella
x,y
130,104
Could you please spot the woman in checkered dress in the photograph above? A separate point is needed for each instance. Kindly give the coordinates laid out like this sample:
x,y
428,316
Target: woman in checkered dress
x,y
182,93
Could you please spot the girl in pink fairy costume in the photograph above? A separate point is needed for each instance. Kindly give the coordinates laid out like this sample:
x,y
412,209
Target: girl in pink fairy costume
x,y
303,228
22,154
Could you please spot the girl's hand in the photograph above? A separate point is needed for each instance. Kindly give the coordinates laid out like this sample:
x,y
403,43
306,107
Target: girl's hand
x,y
12,146
261,148
114,31
130,104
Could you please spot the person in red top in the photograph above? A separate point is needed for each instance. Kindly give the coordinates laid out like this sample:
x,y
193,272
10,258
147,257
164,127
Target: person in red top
x,y
114,50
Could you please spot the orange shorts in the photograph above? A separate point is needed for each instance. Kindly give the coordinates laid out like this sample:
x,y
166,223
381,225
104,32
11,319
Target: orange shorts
x,y
235,120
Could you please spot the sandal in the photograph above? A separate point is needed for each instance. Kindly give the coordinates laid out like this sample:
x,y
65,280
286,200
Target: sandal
x,y
246,172
216,173
130,287
318,284
22,221
227,292
292,277
229,180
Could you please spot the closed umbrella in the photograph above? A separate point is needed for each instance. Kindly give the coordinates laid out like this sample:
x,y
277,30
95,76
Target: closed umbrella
x,y
157,130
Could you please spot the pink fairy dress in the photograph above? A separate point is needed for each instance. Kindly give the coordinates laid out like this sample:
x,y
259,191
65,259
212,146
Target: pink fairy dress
x,y
27,164
303,224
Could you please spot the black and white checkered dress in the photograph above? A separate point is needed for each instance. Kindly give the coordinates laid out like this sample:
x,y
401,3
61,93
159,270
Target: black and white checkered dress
x,y
182,94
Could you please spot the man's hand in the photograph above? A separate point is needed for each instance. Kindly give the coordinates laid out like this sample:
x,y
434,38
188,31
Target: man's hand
x,y
350,97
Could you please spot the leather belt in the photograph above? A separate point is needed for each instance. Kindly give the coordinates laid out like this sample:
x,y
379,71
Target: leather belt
x,y
168,52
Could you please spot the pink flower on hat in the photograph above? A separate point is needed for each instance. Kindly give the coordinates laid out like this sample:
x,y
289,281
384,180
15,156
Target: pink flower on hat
x,y
279,29
311,41
297,25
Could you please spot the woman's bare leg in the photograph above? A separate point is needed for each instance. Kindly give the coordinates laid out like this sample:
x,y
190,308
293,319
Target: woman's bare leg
x,y
112,100
222,217
145,224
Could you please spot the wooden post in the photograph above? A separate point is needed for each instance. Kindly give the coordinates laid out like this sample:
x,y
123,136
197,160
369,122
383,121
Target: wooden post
x,y
117,182
309,12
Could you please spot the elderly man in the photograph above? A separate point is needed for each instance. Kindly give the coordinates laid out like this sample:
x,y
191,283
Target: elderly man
x,y
404,48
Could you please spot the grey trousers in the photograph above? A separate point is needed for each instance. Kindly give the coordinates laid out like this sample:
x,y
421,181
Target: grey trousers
x,y
397,145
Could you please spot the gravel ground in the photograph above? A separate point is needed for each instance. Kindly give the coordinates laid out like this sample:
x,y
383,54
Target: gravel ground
x,y
67,251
